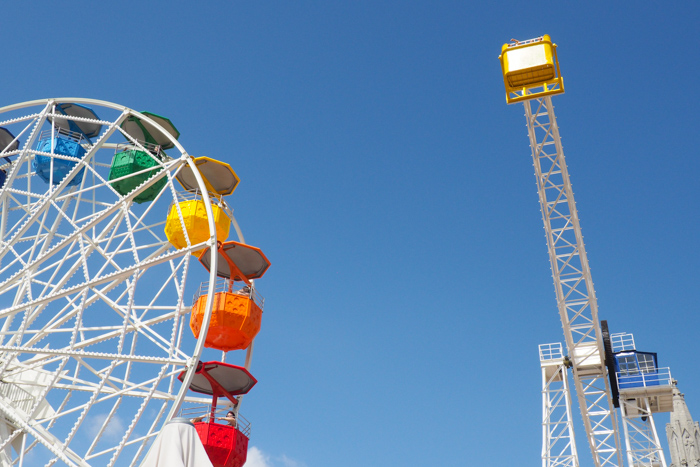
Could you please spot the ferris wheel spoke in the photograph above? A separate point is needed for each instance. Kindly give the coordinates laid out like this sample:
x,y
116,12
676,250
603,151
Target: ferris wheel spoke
x,y
58,371
144,328
96,355
75,236
137,416
18,260
141,227
79,234
91,223
46,237
60,318
152,432
69,310
102,382
138,391
41,435
108,395
76,118
98,436
170,280
72,383
135,325
6,442
170,170
142,439
25,209
31,313
31,118
123,274
59,409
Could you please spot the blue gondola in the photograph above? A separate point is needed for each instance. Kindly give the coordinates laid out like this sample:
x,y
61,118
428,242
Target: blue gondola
x,y
67,139
65,143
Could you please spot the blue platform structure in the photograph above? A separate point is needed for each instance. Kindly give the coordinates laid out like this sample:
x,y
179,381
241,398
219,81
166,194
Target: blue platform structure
x,y
67,138
640,389
639,369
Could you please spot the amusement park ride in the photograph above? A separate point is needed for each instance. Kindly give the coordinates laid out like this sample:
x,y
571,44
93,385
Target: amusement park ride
x,y
104,236
608,371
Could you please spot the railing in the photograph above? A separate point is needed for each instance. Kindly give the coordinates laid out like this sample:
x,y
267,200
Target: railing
x,y
20,398
74,135
201,413
551,352
622,341
151,148
642,379
516,43
196,195
222,285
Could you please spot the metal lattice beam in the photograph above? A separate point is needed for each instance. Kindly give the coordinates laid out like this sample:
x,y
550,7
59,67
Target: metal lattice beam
x,y
642,442
573,285
558,442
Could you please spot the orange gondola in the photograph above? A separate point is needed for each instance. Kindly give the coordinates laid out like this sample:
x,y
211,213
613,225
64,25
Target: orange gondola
x,y
237,310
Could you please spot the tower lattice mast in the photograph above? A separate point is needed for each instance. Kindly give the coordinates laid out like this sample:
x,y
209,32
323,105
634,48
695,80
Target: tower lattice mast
x,y
558,442
531,75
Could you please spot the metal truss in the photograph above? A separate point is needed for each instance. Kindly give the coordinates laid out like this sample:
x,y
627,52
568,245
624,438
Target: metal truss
x,y
573,285
643,446
637,406
558,442
92,297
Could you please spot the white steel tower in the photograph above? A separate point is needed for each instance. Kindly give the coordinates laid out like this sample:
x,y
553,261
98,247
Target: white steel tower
x,y
531,75
558,443
644,389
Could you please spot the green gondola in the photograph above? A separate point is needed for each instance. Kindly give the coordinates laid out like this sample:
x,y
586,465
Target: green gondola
x,y
130,160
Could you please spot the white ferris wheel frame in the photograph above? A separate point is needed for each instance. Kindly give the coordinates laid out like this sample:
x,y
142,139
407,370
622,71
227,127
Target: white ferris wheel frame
x,y
59,199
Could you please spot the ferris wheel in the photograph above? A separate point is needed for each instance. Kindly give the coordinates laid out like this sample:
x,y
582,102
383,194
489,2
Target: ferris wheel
x,y
103,215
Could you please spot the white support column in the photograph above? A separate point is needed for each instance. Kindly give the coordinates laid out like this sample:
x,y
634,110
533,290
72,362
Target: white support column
x,y
558,442
641,439
645,392
573,285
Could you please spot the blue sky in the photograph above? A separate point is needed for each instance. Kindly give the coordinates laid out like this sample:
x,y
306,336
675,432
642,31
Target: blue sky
x,y
392,189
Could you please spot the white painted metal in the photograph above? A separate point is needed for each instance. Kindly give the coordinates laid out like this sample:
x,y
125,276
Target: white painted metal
x,y
622,341
558,442
641,439
652,394
93,299
573,285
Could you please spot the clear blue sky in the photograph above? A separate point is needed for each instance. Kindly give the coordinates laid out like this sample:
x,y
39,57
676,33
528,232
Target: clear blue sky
x,y
392,189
